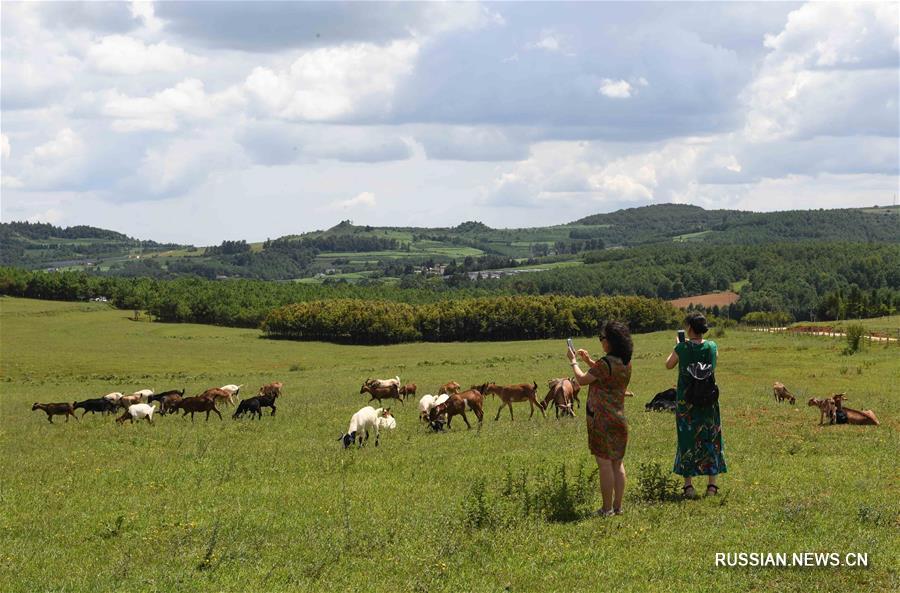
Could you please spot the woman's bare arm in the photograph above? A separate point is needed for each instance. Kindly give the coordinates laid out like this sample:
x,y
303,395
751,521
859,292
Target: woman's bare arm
x,y
672,361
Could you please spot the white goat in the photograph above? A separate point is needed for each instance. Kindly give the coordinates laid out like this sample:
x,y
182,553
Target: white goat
x,y
428,402
113,397
143,393
386,382
361,423
234,390
137,412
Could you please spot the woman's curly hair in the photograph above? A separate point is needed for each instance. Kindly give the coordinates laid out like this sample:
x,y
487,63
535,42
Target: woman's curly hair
x,y
619,339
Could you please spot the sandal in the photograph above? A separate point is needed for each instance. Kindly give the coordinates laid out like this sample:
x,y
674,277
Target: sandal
x,y
712,490
602,513
689,492
618,511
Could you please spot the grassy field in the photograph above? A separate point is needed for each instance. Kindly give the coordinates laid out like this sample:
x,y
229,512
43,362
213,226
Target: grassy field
x,y
884,325
276,505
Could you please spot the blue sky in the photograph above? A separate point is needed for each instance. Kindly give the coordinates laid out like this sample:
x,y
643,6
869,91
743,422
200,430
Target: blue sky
x,y
201,121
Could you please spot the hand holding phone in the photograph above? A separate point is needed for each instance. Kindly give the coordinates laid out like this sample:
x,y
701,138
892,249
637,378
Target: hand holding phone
x,y
681,336
571,345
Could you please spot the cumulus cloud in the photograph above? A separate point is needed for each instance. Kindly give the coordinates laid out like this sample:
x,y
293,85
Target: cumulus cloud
x,y
121,54
364,199
471,143
832,70
164,110
329,83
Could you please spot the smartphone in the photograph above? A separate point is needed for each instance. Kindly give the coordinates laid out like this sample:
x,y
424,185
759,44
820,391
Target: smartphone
x,y
570,344
681,335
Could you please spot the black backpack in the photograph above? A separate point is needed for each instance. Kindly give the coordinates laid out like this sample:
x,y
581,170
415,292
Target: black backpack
x,y
700,387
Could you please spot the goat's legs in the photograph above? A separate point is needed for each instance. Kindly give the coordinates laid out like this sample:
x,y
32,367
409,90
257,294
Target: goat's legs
x,y
273,408
509,405
217,413
466,420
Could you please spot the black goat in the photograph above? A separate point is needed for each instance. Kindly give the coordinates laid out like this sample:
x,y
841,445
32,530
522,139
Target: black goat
x,y
664,401
158,397
267,400
97,404
251,405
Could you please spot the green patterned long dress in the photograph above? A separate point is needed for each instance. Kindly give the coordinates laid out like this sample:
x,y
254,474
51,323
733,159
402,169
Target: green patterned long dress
x,y
701,450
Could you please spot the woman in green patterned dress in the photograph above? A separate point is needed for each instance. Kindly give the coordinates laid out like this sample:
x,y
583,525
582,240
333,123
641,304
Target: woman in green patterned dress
x,y
701,451
607,427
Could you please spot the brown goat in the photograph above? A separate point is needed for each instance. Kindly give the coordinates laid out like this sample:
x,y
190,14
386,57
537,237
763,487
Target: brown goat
x,y
782,393
408,390
270,388
510,394
381,392
129,400
167,402
826,408
195,404
218,395
563,392
456,406
449,388
60,409
863,418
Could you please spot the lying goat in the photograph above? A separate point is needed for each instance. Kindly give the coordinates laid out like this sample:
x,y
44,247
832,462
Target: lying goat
x,y
850,416
664,401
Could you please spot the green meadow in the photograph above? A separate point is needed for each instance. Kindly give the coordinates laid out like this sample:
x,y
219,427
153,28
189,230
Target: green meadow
x,y
277,505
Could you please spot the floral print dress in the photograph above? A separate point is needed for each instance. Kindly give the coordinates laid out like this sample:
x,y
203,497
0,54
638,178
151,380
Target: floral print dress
x,y
701,450
606,423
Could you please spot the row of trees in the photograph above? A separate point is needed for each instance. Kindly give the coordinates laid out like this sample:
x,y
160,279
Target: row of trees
x,y
476,319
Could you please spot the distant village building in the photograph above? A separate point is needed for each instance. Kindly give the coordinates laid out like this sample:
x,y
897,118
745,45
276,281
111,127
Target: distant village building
x,y
484,274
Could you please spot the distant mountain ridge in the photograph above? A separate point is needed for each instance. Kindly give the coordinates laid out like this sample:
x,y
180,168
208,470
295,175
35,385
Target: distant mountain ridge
x,y
364,251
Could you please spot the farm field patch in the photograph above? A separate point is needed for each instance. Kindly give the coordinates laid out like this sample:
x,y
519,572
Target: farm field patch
x,y
277,505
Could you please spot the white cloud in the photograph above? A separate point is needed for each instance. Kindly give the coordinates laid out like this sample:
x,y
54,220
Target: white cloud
x,y
163,111
364,199
831,71
333,82
4,146
145,12
121,54
615,89
65,145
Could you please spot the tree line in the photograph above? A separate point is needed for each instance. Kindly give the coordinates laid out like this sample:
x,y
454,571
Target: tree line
x,y
474,319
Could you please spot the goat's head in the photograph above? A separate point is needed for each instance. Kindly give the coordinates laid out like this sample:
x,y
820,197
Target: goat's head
x,y
36,406
365,387
437,411
386,413
485,388
347,439
812,402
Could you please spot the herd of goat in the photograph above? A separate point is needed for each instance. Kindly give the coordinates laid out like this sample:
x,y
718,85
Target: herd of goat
x,y
140,404
437,411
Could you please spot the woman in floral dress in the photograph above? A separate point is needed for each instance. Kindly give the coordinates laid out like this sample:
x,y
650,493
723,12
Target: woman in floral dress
x,y
701,451
607,427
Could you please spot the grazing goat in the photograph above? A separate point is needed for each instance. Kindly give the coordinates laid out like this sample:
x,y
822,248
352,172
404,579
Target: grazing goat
x,y
251,405
456,405
366,419
826,408
381,392
428,402
97,404
195,404
510,394
562,392
408,390
782,393
234,390
271,388
59,409
136,412
451,387
664,401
